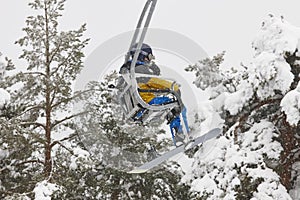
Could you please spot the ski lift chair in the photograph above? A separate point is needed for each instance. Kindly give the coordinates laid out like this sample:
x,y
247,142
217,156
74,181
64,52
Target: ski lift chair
x,y
133,104
129,96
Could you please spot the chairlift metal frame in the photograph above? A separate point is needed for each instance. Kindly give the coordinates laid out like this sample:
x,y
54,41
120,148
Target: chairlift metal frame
x,y
129,97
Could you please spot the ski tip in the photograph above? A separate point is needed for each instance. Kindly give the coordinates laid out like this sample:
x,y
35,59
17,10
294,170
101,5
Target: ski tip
x,y
137,171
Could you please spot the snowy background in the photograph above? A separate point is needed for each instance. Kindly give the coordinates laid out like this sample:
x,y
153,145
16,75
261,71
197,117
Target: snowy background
x,y
215,25
245,162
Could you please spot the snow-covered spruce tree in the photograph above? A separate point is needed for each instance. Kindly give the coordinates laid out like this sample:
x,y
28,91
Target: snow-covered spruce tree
x,y
14,148
207,71
6,113
258,156
5,65
117,147
42,96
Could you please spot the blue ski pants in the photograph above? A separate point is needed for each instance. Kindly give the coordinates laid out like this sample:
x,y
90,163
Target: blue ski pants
x,y
176,122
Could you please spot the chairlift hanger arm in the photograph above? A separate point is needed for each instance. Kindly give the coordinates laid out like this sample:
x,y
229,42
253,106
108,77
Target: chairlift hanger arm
x,y
140,33
134,38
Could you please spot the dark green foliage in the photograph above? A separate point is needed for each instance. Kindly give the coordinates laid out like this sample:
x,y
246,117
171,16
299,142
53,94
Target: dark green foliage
x,y
247,185
19,171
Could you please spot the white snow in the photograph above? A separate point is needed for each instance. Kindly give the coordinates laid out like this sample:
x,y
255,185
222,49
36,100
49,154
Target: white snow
x,y
251,153
234,102
2,66
3,153
295,193
291,106
277,36
205,185
75,158
4,97
271,191
217,172
43,190
269,71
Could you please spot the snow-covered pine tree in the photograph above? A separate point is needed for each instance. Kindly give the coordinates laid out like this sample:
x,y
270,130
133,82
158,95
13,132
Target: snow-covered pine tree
x,y
258,156
42,98
10,146
5,65
207,71
116,147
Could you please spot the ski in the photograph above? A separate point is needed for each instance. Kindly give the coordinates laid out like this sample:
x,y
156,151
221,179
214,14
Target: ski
x,y
182,148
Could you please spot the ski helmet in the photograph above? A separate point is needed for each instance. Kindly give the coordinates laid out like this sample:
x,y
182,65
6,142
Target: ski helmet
x,y
146,52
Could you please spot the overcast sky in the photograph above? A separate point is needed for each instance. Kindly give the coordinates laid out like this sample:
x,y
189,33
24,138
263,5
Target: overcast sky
x,y
216,25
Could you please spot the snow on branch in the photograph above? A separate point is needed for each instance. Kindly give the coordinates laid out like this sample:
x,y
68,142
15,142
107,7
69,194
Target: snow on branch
x,y
291,106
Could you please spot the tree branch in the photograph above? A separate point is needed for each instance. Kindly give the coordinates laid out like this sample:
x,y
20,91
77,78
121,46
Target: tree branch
x,y
63,146
70,98
65,119
36,124
64,139
23,163
29,109
34,73
61,64
55,51
29,161
242,119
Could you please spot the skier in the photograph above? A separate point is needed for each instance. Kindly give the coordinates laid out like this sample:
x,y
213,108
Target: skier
x,y
145,65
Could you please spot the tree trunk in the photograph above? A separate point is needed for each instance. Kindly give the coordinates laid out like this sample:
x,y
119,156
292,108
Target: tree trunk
x,y
287,159
48,148
48,159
